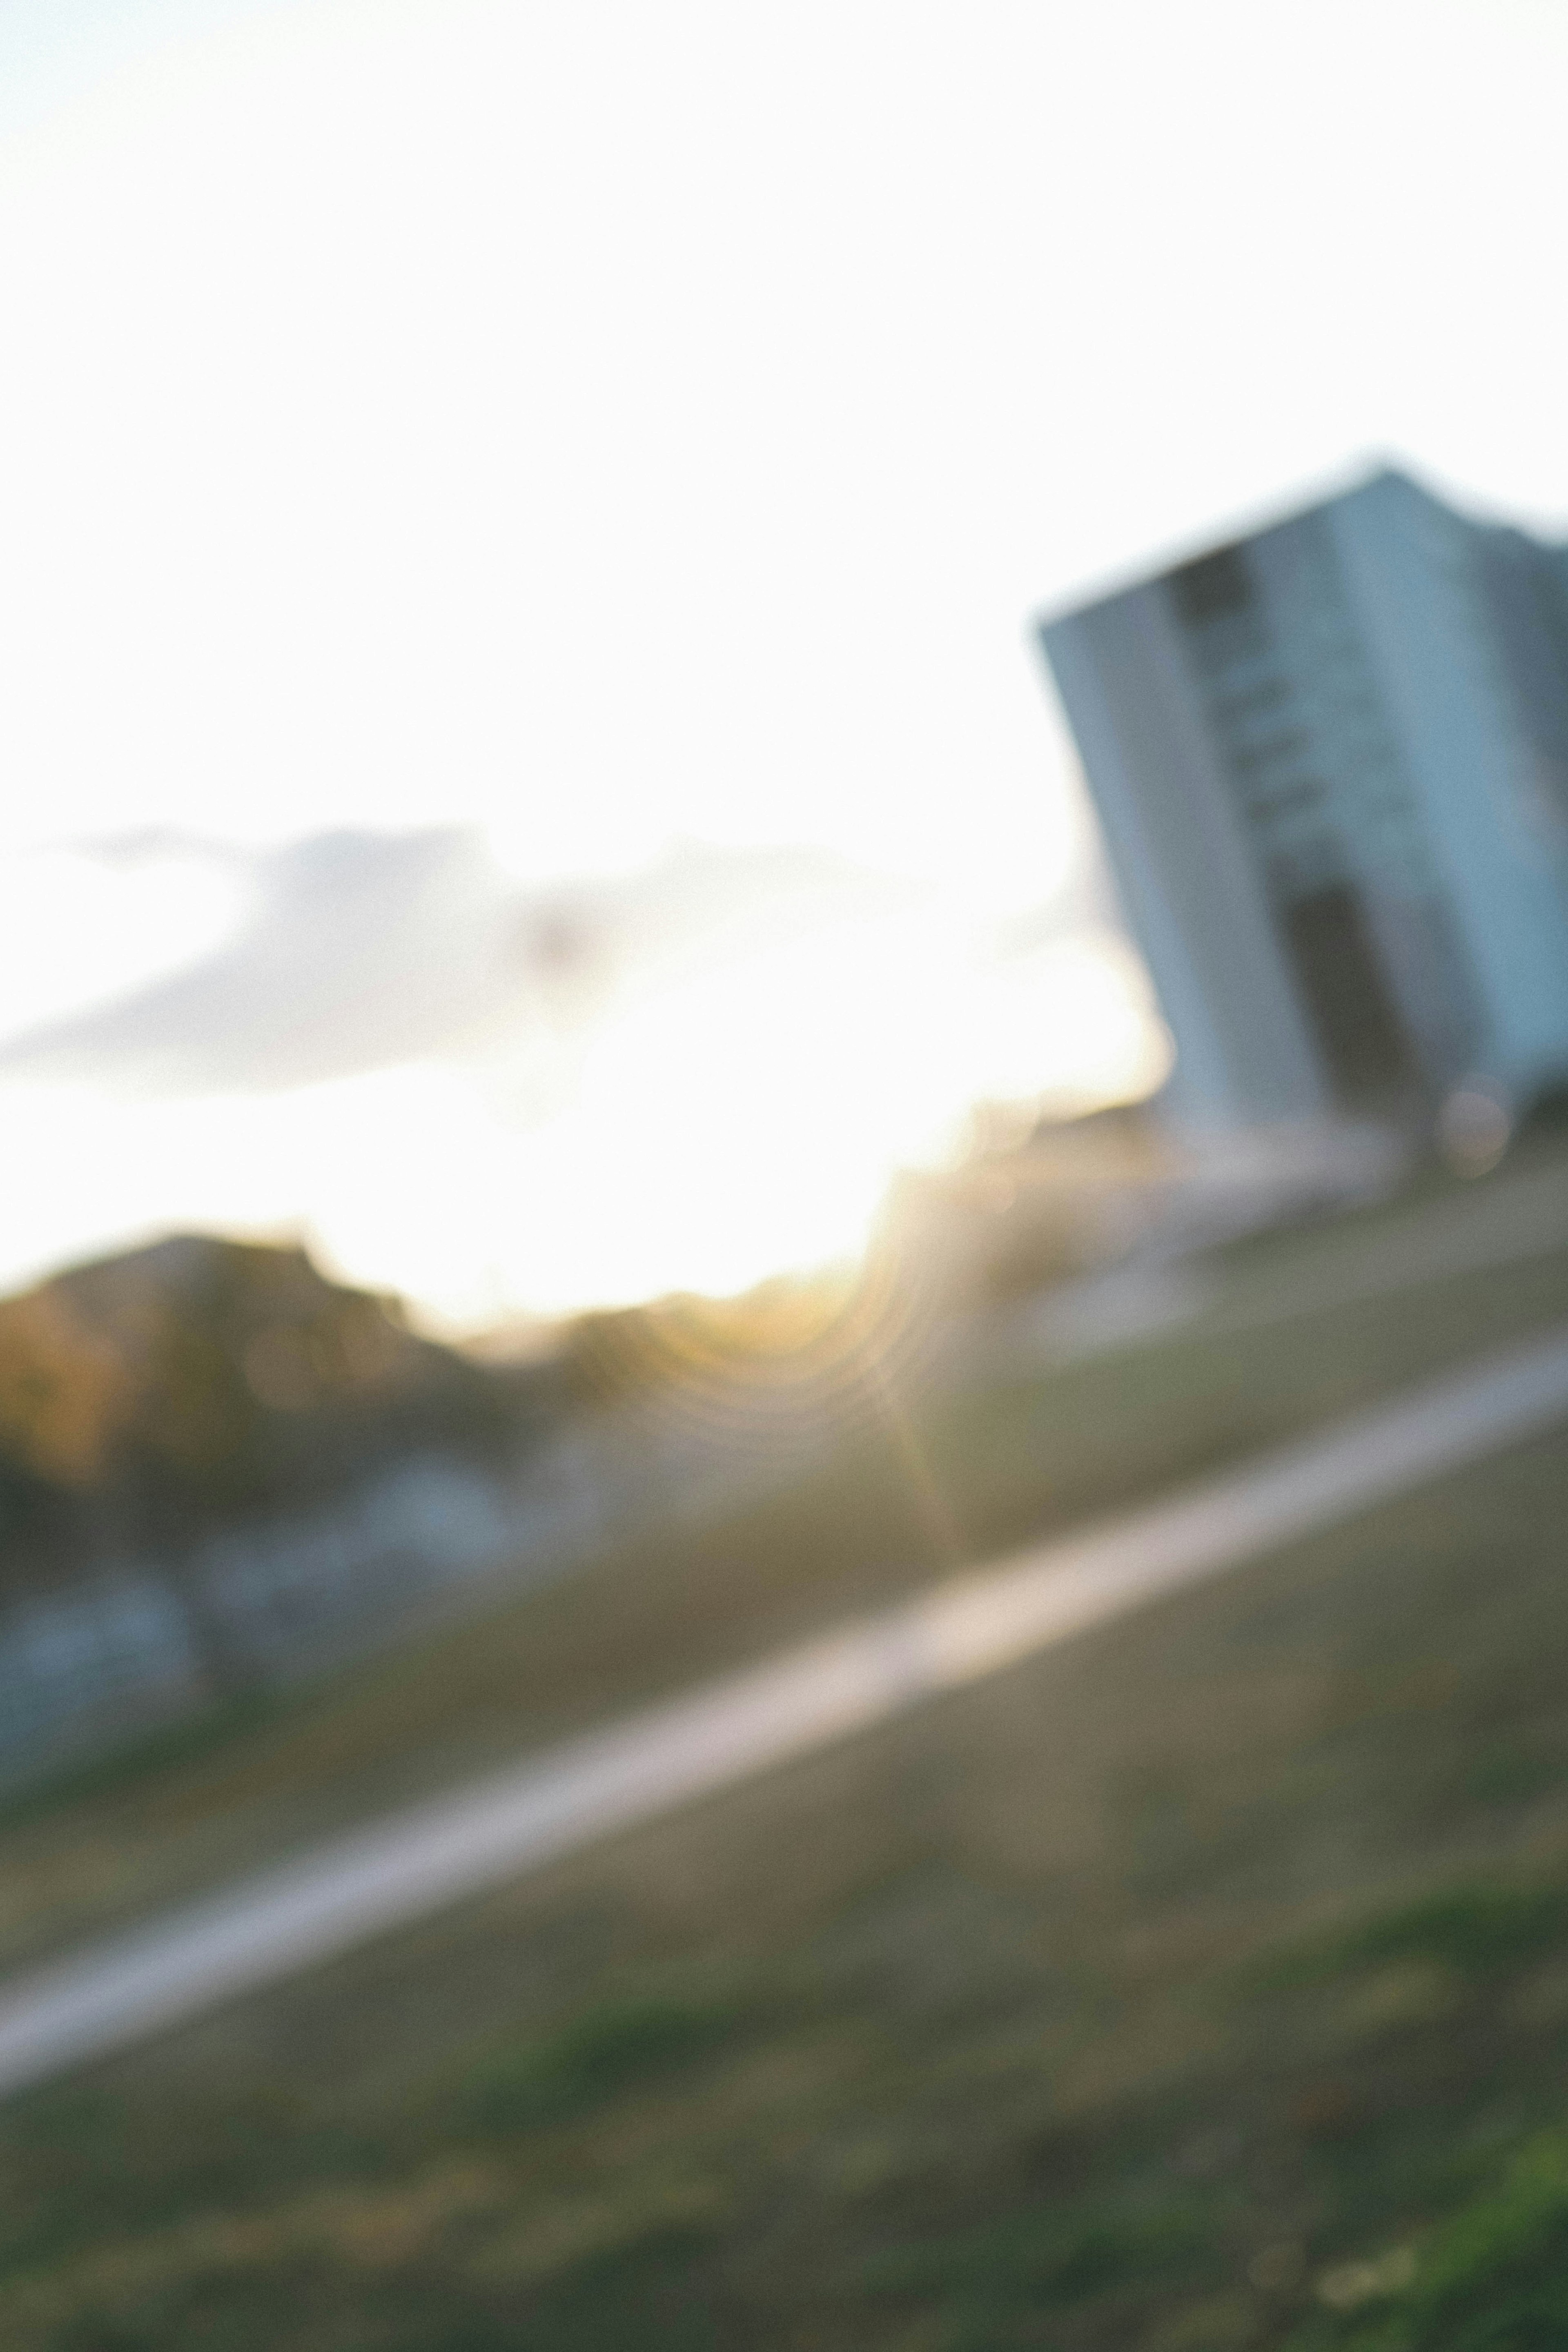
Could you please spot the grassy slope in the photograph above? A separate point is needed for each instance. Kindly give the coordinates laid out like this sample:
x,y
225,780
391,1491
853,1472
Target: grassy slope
x,y
1009,1458
1203,1985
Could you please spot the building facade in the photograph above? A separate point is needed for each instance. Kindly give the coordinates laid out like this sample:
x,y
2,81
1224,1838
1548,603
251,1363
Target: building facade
x,y
1331,763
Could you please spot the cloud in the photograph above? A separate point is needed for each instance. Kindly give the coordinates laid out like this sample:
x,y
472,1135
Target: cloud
x,y
355,951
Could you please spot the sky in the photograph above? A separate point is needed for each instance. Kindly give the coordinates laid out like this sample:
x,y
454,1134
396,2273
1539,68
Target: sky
x,y
519,526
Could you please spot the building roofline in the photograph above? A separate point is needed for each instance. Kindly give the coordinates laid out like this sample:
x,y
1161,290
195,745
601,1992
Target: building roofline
x,y
1361,474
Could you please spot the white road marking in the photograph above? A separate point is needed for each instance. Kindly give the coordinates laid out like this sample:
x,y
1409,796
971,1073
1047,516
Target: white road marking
x,y
354,1887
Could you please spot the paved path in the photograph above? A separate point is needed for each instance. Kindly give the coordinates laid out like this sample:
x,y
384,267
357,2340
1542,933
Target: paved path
x,y
356,1887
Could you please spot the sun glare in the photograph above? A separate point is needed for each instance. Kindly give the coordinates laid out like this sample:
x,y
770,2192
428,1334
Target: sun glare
x,y
740,1121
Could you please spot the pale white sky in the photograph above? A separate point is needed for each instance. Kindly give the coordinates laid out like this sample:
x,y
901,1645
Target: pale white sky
x,y
602,427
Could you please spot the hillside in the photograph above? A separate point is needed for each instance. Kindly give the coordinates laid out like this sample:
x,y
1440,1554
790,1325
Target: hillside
x,y
1201,1985
1197,1988
1295,1331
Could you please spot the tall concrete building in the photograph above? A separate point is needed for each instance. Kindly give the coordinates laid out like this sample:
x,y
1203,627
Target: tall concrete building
x,y
1331,761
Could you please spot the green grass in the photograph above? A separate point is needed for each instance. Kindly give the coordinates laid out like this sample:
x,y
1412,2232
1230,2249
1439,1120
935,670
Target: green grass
x,y
968,1472
1472,1930
1203,1984
598,2057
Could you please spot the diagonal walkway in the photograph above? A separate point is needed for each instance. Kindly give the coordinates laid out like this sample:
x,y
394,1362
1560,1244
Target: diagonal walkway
x,y
354,1887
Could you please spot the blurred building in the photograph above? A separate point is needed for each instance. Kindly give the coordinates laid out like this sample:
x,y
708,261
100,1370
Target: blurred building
x,y
1331,761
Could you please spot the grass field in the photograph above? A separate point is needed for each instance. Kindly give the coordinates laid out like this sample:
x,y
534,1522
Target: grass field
x,y
1202,1985
973,1469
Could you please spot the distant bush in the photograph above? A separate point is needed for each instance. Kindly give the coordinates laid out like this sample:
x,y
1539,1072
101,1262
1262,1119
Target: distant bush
x,y
149,1399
